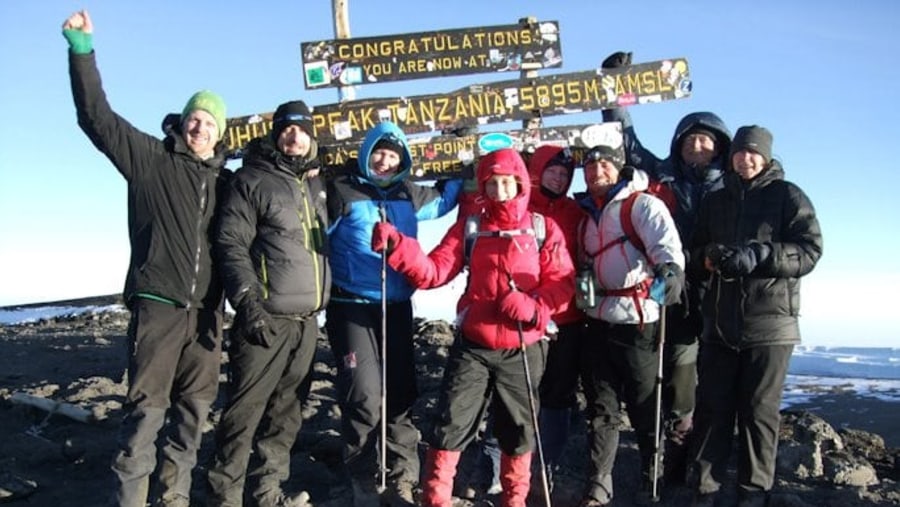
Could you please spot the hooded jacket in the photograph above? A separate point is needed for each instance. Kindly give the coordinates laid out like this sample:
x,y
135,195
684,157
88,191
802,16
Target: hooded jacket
x,y
563,210
546,274
689,184
270,240
762,307
172,196
354,204
622,265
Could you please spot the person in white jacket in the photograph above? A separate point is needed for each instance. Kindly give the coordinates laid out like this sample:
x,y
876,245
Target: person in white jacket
x,y
630,246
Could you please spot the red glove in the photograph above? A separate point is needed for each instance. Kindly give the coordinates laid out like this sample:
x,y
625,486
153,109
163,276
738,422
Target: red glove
x,y
384,237
520,307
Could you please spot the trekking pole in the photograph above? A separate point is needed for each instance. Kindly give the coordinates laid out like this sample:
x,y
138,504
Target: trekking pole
x,y
382,467
532,405
657,429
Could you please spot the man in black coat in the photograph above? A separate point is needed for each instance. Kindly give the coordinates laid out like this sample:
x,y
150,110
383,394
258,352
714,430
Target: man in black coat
x,y
172,288
754,240
271,245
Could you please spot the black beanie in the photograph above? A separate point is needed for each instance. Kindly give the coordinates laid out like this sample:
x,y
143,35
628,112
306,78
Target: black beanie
x,y
292,113
602,152
390,143
754,138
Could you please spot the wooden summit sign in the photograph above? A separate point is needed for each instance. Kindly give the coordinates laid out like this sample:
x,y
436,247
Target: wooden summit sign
x,y
487,103
504,101
446,156
348,62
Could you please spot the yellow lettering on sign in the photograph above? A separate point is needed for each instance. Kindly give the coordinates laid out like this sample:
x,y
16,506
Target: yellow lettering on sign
x,y
440,166
466,42
525,36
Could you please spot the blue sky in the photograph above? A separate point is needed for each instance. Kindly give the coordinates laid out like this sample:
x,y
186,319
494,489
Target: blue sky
x,y
821,76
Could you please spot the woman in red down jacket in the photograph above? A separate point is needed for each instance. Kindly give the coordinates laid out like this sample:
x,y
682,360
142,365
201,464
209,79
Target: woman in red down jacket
x,y
551,169
514,288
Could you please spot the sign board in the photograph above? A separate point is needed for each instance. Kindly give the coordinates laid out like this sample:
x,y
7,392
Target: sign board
x,y
350,62
489,103
445,156
504,101
239,131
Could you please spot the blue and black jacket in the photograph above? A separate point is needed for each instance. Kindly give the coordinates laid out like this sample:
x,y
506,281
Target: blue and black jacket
x,y
354,204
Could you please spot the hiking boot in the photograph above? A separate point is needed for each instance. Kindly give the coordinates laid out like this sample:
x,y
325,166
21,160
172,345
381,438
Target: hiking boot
x,y
399,494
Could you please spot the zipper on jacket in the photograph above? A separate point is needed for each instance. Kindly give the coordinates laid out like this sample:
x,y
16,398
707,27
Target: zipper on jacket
x,y
264,276
316,241
198,234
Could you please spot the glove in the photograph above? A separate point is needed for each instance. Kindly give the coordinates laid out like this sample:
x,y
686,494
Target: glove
x,y
519,307
384,237
670,278
252,322
617,59
716,254
744,259
77,31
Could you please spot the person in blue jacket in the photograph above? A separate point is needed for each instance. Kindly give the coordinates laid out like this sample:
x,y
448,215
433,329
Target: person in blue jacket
x,y
373,187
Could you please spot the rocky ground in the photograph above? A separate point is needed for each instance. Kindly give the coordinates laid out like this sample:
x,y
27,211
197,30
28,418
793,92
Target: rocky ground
x,y
76,365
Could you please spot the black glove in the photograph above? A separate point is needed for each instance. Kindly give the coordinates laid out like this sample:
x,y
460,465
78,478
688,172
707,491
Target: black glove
x,y
717,253
253,323
673,277
617,59
744,259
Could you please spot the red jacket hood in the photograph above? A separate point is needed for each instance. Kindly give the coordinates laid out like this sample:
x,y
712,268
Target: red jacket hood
x,y
506,161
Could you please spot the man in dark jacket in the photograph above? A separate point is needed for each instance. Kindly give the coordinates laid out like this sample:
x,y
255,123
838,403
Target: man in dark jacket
x,y
697,156
271,246
754,239
172,289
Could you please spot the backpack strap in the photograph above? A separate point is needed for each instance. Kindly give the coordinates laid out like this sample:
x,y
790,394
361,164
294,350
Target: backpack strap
x,y
628,225
471,232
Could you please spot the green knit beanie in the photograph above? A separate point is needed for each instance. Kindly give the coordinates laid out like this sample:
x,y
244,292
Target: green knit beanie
x,y
210,102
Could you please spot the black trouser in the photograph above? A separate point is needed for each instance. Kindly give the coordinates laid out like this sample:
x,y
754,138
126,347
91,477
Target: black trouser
x,y
354,331
267,387
624,360
173,369
679,365
475,375
566,363
746,384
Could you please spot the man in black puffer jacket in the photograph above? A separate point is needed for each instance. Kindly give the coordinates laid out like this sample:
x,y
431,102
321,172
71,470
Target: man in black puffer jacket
x,y
172,288
271,245
754,239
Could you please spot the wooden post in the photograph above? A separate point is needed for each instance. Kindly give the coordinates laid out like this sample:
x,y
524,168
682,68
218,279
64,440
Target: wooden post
x,y
536,122
342,31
